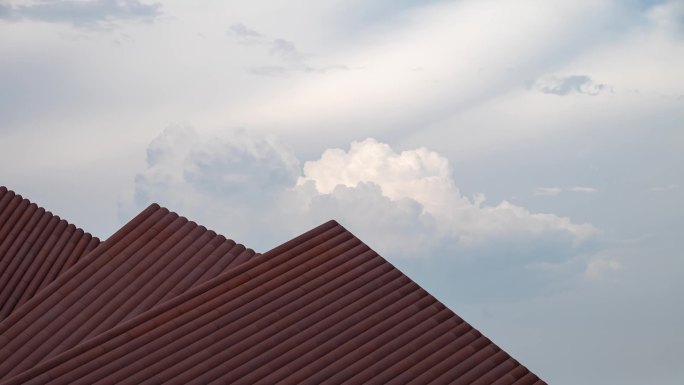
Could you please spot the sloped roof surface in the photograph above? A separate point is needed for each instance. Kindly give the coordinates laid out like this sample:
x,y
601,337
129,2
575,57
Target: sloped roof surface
x,y
36,246
155,257
321,308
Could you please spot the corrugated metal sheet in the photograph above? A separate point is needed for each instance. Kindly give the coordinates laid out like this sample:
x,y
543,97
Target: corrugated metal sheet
x,y
36,246
321,308
155,257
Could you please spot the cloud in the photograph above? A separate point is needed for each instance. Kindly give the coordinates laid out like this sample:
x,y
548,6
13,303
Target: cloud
x,y
566,85
553,191
82,13
548,191
397,228
290,59
5,11
500,138
668,16
405,204
285,50
583,189
230,181
663,188
269,70
241,31
226,163
277,47
425,177
598,268
279,71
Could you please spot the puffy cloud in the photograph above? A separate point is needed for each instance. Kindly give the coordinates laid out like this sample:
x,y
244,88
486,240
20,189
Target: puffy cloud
x,y
565,85
425,177
230,181
231,161
419,174
404,204
397,228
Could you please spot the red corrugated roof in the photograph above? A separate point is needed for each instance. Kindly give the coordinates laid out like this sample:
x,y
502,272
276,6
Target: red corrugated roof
x,y
35,247
164,300
321,308
156,256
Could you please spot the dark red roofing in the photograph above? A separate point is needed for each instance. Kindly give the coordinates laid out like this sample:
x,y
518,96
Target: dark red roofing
x,y
36,246
155,257
321,308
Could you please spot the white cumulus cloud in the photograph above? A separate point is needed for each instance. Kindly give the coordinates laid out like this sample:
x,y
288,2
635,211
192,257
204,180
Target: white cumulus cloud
x,y
426,178
230,181
404,204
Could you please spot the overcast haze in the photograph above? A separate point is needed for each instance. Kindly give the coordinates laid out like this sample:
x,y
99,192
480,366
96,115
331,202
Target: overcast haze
x,y
522,160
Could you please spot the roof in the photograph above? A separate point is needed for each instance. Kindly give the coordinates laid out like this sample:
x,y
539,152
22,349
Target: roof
x,y
36,246
156,256
165,300
322,307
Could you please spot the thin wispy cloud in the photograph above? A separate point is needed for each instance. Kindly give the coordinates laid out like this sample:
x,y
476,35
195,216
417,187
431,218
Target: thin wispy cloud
x,y
290,60
547,191
583,189
660,189
285,50
566,85
599,268
277,47
241,31
82,13
553,191
278,71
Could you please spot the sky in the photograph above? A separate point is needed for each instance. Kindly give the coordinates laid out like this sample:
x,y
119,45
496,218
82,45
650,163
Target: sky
x,y
523,161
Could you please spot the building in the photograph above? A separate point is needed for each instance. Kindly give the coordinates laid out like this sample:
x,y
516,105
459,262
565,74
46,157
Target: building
x,y
164,300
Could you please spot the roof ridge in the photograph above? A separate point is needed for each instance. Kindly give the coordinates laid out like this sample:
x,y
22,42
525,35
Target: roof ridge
x,y
121,274
165,299
169,306
5,190
324,293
